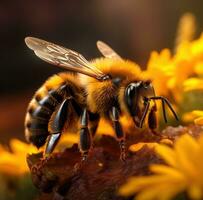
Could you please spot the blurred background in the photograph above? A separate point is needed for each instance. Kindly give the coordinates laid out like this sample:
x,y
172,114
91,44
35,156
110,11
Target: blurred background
x,y
133,28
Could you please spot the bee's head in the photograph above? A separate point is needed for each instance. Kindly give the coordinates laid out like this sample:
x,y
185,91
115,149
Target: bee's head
x,y
137,97
135,93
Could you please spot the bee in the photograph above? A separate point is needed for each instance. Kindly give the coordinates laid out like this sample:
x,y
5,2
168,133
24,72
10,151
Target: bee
x,y
78,98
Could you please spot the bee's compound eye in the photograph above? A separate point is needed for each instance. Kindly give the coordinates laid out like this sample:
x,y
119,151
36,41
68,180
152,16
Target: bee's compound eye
x,y
131,93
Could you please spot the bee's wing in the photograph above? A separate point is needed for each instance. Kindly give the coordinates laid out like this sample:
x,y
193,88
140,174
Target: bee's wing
x,y
62,57
107,51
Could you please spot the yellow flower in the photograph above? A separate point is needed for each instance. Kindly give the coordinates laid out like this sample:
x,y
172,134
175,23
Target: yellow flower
x,y
140,145
186,29
199,68
67,140
199,120
14,162
105,128
183,171
150,145
193,84
169,72
160,69
195,115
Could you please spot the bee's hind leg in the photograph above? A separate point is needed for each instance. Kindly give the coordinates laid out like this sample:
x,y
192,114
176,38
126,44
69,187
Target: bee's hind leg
x,y
56,126
119,132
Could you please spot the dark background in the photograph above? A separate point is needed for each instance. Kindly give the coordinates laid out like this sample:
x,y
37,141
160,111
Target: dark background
x,y
133,28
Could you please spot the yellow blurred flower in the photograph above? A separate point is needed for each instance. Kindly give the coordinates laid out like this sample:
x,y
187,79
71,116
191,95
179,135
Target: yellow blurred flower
x,y
199,121
177,75
174,74
182,172
187,61
186,29
160,69
199,68
169,73
193,84
67,140
14,162
150,145
105,128
195,115
140,145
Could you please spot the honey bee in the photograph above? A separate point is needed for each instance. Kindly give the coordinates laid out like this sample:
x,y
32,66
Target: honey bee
x,y
106,87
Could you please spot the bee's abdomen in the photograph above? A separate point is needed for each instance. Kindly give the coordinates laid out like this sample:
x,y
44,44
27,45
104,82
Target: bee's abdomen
x,y
39,112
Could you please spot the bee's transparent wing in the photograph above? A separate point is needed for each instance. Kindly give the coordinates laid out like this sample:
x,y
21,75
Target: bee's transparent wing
x,y
62,57
107,51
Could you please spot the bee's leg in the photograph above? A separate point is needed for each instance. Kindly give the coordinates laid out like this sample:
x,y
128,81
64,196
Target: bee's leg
x,y
119,132
56,126
85,139
86,134
93,123
152,121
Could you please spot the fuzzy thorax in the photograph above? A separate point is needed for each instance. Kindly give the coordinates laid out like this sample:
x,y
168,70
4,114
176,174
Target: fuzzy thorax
x,y
102,95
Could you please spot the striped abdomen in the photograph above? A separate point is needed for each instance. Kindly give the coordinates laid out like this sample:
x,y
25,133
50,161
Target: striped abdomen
x,y
39,112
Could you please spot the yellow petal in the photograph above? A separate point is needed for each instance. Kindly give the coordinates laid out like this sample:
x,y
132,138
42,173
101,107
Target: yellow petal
x,y
167,142
186,146
128,188
167,154
186,28
165,191
195,192
200,160
67,141
138,146
163,169
149,193
199,68
199,121
22,148
190,116
197,113
193,84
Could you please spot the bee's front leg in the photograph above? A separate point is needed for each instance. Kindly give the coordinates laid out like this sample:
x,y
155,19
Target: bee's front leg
x,y
152,123
152,119
114,114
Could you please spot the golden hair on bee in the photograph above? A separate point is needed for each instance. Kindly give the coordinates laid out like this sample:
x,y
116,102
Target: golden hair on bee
x,y
100,93
88,91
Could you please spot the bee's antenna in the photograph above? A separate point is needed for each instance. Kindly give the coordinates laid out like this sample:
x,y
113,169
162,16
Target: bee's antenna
x,y
164,110
164,100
